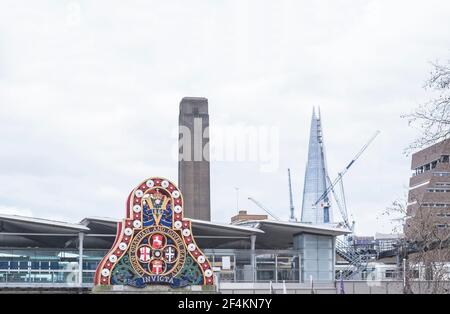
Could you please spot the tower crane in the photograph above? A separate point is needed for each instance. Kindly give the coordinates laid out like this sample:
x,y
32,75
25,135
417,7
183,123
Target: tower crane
x,y
263,208
331,185
291,200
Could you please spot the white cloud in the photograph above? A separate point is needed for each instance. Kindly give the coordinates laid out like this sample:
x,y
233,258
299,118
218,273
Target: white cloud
x,y
9,210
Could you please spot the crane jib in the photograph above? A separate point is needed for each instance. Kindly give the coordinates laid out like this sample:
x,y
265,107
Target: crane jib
x,y
340,177
350,164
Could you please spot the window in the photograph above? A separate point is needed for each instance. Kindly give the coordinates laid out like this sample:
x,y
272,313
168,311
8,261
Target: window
x,y
54,265
364,275
326,215
441,174
435,205
34,265
23,264
419,170
433,165
438,190
389,274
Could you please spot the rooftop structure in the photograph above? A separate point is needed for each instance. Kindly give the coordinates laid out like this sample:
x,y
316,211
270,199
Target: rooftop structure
x,y
244,216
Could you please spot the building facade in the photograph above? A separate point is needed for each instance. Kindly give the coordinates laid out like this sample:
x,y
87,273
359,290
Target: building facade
x,y
429,186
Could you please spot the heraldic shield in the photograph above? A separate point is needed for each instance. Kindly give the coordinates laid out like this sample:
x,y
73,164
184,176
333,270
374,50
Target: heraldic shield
x,y
154,245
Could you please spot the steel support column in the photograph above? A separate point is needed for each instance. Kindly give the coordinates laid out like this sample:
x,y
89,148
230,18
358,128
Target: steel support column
x,y
253,257
80,258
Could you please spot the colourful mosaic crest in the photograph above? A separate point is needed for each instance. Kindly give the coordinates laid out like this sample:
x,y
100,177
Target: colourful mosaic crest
x,y
154,244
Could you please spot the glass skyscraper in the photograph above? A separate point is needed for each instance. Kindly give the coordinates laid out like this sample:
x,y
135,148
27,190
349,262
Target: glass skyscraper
x,y
316,175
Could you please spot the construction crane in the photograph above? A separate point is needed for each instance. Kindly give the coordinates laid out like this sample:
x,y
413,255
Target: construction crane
x,y
343,206
291,200
263,208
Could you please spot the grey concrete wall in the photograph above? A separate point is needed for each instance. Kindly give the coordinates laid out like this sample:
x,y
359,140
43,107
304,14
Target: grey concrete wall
x,y
350,287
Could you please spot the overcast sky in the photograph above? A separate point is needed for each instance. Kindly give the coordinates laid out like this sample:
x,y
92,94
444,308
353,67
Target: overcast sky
x,y
89,96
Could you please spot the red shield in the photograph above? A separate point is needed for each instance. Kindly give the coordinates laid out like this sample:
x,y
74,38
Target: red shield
x,y
144,254
157,267
157,241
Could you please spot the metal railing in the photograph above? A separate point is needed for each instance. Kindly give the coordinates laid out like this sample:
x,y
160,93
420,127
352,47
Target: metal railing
x,y
357,260
46,267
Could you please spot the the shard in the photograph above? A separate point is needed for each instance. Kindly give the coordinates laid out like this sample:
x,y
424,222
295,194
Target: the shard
x,y
316,207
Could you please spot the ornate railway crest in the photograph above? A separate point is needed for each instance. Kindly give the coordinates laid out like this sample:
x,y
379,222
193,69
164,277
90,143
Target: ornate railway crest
x,y
154,244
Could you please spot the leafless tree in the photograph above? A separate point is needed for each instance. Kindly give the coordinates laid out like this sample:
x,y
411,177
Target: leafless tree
x,y
433,117
396,215
426,246
430,249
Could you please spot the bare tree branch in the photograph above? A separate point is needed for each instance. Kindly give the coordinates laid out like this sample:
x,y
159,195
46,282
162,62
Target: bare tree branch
x,y
428,246
433,117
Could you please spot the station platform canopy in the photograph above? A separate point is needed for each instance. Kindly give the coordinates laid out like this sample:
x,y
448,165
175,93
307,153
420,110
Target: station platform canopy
x,y
99,233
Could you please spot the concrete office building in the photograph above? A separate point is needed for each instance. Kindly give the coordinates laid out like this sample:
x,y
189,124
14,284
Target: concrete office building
x,y
193,164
